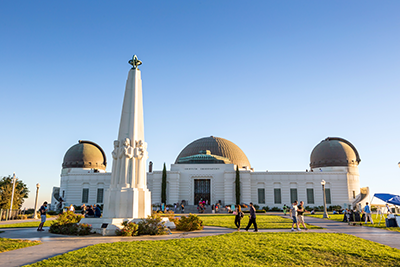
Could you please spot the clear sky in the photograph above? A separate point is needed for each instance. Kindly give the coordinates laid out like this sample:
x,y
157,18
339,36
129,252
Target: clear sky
x,y
274,77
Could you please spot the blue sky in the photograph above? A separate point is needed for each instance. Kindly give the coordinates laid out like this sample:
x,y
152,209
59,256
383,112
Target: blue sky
x,y
274,77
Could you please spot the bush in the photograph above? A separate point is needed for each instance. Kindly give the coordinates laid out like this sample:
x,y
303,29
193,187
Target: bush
x,y
335,207
67,223
257,207
153,225
129,229
52,212
275,209
22,217
29,211
190,223
266,208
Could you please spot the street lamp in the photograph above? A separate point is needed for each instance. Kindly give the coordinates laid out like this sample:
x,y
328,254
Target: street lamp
x,y
14,179
325,216
37,194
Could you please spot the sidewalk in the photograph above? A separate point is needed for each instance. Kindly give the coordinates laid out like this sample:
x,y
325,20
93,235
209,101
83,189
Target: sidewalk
x,y
23,221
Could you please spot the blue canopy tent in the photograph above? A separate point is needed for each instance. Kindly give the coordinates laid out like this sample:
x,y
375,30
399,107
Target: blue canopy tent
x,y
389,198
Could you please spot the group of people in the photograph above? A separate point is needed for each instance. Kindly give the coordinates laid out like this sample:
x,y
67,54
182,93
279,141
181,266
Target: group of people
x,y
239,216
296,212
92,211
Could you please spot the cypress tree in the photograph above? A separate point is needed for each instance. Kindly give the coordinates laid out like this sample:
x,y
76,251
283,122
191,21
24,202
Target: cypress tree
x,y
237,185
164,185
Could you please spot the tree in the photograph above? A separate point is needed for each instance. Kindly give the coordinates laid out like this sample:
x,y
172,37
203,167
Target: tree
x,y
237,185
20,193
164,185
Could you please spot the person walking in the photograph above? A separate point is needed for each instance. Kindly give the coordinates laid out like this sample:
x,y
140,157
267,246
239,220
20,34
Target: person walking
x,y
238,216
252,218
182,208
293,213
43,209
300,217
367,211
285,208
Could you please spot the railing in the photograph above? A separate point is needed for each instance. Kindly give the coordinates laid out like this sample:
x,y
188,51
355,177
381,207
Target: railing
x,y
5,214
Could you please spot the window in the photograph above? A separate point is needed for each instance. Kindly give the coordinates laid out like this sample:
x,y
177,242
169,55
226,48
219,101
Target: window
x,y
354,194
293,194
100,193
63,194
310,196
261,195
85,195
277,196
328,195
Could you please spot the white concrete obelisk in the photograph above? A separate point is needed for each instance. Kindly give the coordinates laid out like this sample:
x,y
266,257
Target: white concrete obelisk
x,y
128,196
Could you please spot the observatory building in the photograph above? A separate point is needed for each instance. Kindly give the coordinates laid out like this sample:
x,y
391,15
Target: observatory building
x,y
206,170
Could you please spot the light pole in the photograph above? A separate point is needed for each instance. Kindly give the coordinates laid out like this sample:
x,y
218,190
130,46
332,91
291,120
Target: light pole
x,y
12,194
37,195
324,196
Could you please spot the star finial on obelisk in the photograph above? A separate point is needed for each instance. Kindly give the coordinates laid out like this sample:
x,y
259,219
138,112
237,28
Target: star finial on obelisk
x,y
135,62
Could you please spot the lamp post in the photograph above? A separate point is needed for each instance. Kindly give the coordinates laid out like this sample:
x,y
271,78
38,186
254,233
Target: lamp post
x,y
14,179
325,216
37,195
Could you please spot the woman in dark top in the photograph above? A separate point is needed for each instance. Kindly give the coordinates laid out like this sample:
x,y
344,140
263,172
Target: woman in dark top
x,y
238,216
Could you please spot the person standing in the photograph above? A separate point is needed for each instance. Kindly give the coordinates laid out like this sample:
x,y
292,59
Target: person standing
x,y
367,211
43,209
252,219
238,216
300,216
83,208
293,213
285,208
182,208
71,208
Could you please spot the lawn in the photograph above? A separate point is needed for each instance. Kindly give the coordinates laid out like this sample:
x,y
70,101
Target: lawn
x,y
11,244
263,221
236,249
24,225
382,225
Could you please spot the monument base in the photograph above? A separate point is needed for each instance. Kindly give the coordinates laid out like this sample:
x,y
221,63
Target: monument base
x,y
107,226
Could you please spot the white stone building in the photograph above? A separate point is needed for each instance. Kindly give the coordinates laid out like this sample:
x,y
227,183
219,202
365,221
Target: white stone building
x,y
205,169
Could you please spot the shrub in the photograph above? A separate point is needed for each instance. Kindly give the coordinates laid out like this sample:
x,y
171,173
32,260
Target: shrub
x,y
275,209
257,207
22,217
129,229
334,207
52,212
190,223
67,223
29,211
153,225
266,208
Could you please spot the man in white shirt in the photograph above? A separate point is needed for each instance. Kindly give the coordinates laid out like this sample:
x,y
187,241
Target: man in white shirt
x,y
293,213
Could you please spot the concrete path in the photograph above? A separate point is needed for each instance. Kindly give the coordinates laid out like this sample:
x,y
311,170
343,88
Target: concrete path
x,y
24,221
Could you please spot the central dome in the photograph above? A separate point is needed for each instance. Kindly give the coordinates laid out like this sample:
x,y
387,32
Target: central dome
x,y
217,146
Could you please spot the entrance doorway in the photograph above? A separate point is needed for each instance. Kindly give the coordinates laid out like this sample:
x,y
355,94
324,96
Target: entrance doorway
x,y
201,190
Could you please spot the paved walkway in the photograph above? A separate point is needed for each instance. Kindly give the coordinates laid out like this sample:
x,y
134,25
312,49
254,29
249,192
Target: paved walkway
x,y
53,245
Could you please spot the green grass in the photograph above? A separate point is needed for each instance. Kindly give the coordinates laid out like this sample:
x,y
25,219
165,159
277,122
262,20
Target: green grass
x,y
24,225
382,225
236,249
263,221
11,244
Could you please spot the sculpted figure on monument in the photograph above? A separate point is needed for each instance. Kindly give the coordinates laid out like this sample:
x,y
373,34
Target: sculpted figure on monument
x,y
140,149
125,153
115,166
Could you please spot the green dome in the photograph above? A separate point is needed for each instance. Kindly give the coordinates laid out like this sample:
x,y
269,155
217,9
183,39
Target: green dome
x,y
218,147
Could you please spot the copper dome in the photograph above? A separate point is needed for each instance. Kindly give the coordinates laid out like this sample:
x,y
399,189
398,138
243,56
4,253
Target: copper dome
x,y
334,152
217,146
85,154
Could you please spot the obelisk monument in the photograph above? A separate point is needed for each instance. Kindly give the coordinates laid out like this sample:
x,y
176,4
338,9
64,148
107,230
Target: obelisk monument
x,y
128,196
